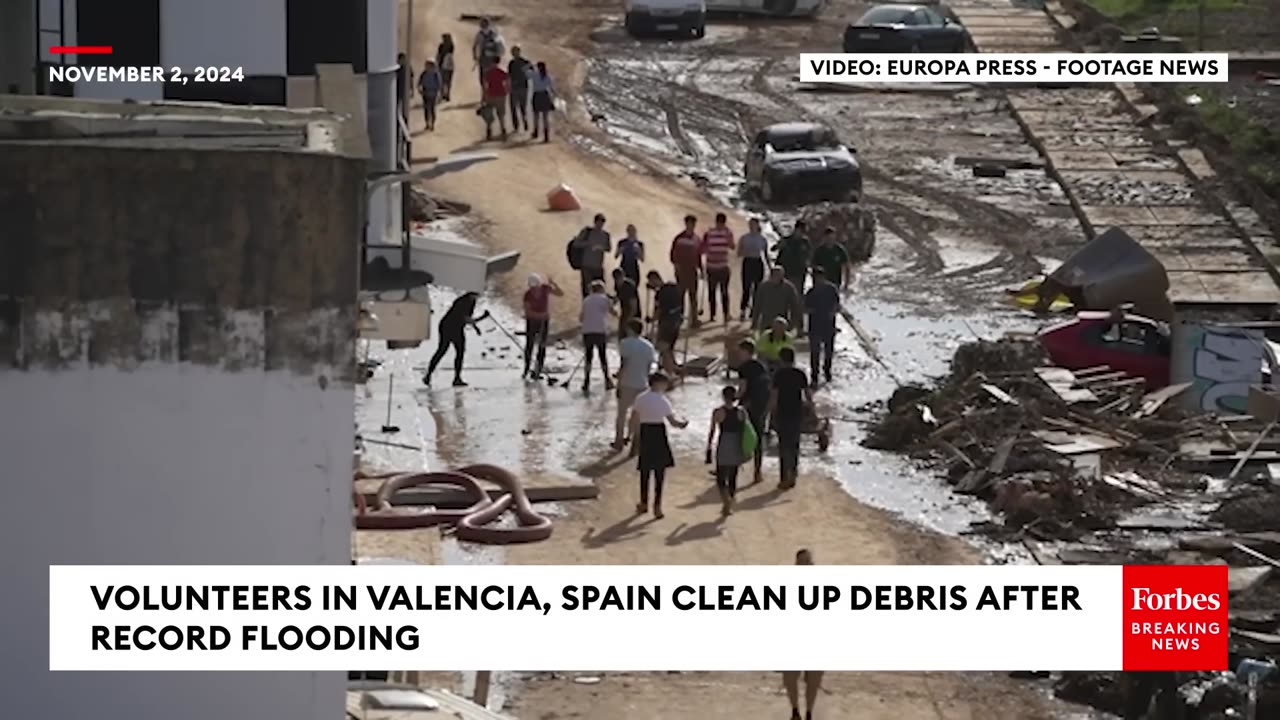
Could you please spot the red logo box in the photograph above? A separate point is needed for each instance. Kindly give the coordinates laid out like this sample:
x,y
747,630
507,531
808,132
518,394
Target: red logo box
x,y
1175,617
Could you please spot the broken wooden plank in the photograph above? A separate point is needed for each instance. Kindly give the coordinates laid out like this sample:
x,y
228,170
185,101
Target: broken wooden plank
x,y
1095,370
1002,455
1063,384
1244,459
957,452
999,394
1153,401
1260,637
1256,554
1241,580
1067,444
1135,484
1094,381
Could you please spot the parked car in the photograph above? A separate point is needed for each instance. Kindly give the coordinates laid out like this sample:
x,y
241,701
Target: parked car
x,y
1136,345
905,28
683,17
801,161
768,8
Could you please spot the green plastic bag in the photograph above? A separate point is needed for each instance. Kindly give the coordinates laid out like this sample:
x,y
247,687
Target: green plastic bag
x,y
750,441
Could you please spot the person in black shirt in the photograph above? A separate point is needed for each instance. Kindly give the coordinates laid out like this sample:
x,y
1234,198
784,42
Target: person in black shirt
x,y
444,61
823,303
790,401
669,316
627,295
404,85
518,70
452,334
753,391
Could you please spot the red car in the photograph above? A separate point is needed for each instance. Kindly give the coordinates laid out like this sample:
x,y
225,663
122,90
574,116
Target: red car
x,y
1136,345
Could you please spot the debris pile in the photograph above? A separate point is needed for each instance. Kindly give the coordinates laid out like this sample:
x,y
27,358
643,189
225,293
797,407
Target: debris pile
x,y
424,209
854,224
1057,453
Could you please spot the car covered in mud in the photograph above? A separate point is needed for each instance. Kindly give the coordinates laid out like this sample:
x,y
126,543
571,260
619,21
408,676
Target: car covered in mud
x,y
768,8
682,17
905,28
802,161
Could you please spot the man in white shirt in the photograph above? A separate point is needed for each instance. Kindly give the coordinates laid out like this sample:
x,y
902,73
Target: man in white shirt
x,y
638,357
753,248
596,309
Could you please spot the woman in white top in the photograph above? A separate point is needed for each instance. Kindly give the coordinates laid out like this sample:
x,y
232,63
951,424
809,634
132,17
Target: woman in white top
x,y
544,93
650,415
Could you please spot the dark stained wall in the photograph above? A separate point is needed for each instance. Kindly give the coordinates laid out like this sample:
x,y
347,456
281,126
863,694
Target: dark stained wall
x,y
205,237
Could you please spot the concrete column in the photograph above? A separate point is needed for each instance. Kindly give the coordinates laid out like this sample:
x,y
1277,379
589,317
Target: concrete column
x,y
176,360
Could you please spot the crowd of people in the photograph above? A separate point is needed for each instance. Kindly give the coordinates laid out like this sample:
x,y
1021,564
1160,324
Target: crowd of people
x,y
522,90
791,287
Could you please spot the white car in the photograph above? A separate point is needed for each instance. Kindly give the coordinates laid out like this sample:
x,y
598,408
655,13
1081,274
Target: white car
x,y
682,17
769,8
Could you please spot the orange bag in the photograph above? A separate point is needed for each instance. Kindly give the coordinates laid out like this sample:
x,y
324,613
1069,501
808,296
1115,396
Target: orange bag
x,y
563,199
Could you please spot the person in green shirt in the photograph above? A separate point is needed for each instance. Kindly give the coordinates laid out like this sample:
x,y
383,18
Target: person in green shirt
x,y
794,254
833,259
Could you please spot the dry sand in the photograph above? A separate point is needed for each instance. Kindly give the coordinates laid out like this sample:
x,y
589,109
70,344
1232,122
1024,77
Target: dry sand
x,y
769,526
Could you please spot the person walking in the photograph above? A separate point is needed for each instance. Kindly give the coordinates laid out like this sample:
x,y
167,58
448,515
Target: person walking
x,y
544,101
812,678
833,259
795,253
753,250
404,85
429,85
537,323
518,71
494,103
823,304
669,311
452,334
717,251
790,403
637,356
686,258
627,297
728,424
487,48
753,391
775,298
594,315
630,254
650,415
444,61
589,247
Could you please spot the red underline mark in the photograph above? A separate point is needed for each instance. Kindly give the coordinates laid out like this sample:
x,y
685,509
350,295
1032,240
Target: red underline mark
x,y
81,50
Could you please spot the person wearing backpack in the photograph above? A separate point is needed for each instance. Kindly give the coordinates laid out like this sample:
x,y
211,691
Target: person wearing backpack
x,y
430,85
736,445
487,49
587,251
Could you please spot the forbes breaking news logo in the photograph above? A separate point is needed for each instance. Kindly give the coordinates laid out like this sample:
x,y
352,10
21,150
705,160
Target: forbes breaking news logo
x,y
1175,617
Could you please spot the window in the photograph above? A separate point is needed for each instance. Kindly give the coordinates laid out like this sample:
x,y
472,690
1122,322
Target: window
x,y
932,17
886,15
326,31
130,27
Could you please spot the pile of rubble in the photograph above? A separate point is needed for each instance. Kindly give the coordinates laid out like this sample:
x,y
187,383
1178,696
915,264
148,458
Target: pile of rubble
x,y
854,224
424,209
1057,454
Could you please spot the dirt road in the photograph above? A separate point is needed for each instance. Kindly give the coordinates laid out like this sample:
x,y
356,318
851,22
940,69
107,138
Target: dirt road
x,y
657,132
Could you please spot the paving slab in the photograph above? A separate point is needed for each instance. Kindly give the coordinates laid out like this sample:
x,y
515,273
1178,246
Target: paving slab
x,y
1184,215
1121,139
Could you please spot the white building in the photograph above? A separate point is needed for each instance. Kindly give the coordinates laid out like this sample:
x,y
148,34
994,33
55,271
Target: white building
x,y
276,43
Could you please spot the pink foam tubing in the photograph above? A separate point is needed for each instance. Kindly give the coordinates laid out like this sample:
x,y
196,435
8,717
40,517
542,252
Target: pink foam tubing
x,y
470,523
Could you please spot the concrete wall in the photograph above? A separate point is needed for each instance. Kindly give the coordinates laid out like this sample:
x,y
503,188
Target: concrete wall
x,y
176,350
17,45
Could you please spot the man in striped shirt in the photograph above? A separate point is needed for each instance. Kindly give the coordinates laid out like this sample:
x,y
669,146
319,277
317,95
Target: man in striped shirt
x,y
717,252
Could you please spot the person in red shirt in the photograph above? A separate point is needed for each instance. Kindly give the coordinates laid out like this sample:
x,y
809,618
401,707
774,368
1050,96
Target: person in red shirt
x,y
686,257
717,252
537,322
497,86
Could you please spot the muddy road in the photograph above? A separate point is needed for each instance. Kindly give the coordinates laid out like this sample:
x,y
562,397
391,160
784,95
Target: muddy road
x,y
688,108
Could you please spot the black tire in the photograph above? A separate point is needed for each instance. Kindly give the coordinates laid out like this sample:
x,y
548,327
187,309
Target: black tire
x,y
700,32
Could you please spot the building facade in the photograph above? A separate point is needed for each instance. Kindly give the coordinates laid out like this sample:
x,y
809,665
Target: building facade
x,y
276,43
177,322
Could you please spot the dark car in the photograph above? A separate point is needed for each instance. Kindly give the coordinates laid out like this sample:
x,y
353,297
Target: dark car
x,y
905,28
800,161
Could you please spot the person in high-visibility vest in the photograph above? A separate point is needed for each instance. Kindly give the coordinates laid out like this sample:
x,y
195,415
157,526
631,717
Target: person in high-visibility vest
x,y
770,342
